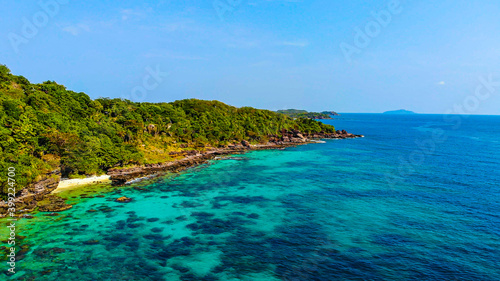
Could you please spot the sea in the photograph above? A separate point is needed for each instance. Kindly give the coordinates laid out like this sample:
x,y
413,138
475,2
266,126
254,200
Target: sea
x,y
417,198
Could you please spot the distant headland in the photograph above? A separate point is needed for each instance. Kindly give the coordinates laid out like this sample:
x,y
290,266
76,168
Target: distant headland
x,y
298,113
400,111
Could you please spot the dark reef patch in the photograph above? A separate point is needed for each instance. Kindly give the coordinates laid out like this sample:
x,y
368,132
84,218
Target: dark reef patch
x,y
242,199
214,226
253,216
157,229
390,239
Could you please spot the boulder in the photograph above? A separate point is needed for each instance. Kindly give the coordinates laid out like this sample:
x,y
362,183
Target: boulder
x,y
245,143
300,136
123,199
152,129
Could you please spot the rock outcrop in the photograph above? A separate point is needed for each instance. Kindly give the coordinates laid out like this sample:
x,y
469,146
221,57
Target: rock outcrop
x,y
52,203
123,199
245,143
30,197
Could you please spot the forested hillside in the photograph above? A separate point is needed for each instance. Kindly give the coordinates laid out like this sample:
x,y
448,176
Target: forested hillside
x,y
45,127
297,113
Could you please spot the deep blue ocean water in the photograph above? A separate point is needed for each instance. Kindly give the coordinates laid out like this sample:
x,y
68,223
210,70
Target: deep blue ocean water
x,y
417,199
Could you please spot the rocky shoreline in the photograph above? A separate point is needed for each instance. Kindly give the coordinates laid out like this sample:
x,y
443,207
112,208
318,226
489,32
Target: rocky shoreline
x,y
120,176
39,194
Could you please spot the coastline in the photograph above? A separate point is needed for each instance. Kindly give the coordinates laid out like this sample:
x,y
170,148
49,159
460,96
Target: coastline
x,y
120,176
43,194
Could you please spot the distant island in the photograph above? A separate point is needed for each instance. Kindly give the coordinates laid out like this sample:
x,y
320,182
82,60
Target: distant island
x,y
331,113
298,113
400,111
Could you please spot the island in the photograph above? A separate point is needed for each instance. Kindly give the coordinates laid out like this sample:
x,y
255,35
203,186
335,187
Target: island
x,y
400,111
298,113
49,132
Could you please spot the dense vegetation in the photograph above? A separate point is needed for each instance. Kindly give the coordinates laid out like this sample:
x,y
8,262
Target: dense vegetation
x,y
45,127
330,113
298,113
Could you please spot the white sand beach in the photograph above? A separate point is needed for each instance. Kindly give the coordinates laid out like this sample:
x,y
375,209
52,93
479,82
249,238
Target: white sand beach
x,y
69,183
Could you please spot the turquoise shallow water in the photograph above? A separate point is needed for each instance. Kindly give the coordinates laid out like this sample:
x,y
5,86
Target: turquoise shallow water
x,y
395,205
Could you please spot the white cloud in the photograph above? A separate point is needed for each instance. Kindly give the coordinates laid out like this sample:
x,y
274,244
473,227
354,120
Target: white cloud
x,y
441,83
300,44
76,29
131,13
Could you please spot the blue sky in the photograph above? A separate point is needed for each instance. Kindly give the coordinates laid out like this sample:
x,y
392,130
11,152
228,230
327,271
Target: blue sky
x,y
428,56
